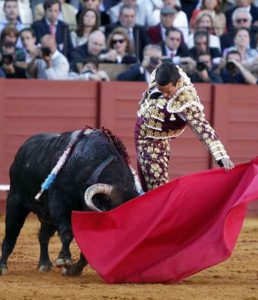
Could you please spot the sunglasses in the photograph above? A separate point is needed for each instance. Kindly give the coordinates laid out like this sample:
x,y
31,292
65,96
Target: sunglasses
x,y
175,39
241,20
120,41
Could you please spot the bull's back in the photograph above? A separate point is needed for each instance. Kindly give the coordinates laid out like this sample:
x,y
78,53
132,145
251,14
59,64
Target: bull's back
x,y
34,158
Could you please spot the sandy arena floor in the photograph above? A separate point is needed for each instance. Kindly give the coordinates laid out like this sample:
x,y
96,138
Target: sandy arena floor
x,y
237,278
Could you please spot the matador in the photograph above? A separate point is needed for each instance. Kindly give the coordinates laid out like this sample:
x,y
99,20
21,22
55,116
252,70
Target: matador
x,y
167,106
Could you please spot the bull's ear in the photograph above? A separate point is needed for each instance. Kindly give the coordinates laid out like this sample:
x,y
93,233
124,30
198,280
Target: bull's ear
x,y
95,175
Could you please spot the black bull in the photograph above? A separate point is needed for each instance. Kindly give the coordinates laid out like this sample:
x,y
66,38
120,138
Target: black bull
x,y
97,157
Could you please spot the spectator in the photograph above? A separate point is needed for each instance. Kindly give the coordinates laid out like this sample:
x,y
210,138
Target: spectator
x,y
241,18
87,23
9,36
8,65
52,64
51,25
180,20
152,57
120,48
66,14
94,4
157,33
174,46
205,22
24,12
136,33
144,12
94,47
232,70
30,49
203,72
245,4
188,7
11,14
201,44
90,71
242,44
214,7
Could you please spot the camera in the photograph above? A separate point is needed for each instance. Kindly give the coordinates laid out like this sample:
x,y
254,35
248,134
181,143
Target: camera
x,y
45,51
200,66
7,59
231,67
154,60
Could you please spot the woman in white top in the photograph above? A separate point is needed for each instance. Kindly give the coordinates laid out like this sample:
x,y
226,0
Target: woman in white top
x,y
87,23
205,22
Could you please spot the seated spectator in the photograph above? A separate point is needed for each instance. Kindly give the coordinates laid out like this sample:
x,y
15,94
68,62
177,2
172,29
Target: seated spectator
x,y
11,14
94,47
90,71
88,22
120,48
201,44
136,33
145,15
214,7
157,33
232,70
205,22
242,44
9,67
51,25
30,49
203,72
180,20
66,14
174,47
94,4
241,18
24,12
246,5
9,36
52,64
152,57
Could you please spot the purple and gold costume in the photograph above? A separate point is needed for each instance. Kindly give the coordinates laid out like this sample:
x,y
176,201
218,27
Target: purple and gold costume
x,y
160,120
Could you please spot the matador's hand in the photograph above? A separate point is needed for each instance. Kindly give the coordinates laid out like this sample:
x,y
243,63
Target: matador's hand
x,y
227,164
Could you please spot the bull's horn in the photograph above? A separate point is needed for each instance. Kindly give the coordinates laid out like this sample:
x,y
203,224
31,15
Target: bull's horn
x,y
98,188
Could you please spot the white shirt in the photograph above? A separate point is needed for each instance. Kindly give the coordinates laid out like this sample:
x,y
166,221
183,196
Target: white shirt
x,y
58,71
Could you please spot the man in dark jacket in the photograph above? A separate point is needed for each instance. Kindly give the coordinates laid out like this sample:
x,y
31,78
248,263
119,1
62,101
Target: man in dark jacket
x,y
51,25
142,72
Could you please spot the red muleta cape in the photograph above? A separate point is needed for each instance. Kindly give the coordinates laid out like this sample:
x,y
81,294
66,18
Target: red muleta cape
x,y
169,233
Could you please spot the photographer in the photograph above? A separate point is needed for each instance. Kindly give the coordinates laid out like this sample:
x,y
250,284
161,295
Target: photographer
x,y
90,71
152,58
50,64
232,70
8,62
204,71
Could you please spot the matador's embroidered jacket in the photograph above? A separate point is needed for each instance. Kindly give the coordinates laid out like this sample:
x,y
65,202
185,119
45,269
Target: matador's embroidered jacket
x,y
160,119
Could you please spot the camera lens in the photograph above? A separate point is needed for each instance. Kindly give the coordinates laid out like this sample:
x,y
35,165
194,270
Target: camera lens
x,y
230,66
200,66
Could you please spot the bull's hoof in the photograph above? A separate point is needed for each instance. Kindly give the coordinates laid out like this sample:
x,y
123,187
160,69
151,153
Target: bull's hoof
x,y
73,270
3,271
45,268
64,262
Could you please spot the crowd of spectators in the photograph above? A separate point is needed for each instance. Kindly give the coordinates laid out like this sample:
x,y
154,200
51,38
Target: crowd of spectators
x,y
214,41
